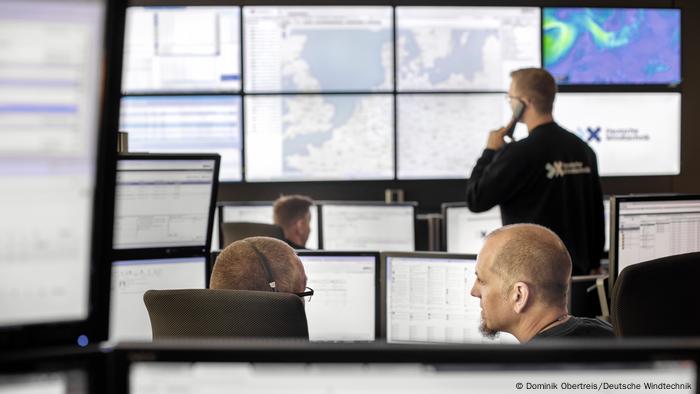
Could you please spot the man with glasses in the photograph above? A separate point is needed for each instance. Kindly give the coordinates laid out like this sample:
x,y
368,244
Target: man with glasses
x,y
549,178
261,264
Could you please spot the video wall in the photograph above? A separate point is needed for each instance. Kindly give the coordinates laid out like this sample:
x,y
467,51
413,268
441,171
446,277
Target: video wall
x,y
327,93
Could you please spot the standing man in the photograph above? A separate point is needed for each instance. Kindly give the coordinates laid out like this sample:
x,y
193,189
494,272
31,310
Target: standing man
x,y
293,215
549,178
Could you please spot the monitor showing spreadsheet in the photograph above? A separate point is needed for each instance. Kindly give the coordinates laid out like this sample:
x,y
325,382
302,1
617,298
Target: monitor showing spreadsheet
x,y
369,227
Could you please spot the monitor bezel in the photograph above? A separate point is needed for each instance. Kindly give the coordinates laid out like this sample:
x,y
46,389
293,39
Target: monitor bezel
x,y
383,280
174,251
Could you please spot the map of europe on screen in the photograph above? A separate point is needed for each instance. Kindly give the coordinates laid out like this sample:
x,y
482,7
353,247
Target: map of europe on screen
x,y
612,46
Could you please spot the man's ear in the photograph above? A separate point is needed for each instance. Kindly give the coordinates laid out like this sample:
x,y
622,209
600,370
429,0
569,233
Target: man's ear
x,y
520,295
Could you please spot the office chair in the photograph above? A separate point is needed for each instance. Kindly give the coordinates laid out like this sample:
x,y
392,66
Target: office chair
x,y
197,313
658,298
235,231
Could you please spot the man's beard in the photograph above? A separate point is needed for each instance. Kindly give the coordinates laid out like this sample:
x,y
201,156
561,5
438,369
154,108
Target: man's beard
x,y
487,331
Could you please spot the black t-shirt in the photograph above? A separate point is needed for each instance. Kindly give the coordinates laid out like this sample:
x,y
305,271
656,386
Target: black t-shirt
x,y
549,178
578,327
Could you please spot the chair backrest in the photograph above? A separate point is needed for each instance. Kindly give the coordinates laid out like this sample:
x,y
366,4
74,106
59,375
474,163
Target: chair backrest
x,y
197,313
235,231
658,298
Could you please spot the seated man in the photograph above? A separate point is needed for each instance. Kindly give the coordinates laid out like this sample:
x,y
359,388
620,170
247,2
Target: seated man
x,y
522,277
259,263
293,215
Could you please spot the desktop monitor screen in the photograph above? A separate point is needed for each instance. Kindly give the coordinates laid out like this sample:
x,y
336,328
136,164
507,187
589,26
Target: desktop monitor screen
x,y
641,136
464,48
186,124
51,165
606,212
428,299
170,49
128,320
321,49
612,45
651,227
164,201
343,307
465,230
262,212
368,227
348,137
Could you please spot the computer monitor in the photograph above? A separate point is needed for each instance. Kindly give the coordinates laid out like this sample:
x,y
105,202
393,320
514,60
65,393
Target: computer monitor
x,y
128,320
465,230
186,124
612,45
58,68
346,291
320,137
606,212
642,136
165,201
262,212
647,227
427,299
368,226
182,48
322,45
464,48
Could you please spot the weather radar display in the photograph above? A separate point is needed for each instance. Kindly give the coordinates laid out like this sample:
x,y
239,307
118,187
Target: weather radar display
x,y
612,45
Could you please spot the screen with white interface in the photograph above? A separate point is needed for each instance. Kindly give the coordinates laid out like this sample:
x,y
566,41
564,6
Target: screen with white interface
x,y
464,48
343,305
49,382
455,378
441,136
642,136
319,137
466,230
368,227
128,317
50,78
162,203
606,212
315,49
182,49
265,214
186,124
647,230
428,300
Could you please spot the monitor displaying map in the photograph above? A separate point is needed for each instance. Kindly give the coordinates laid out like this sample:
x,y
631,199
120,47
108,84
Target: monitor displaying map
x,y
319,137
464,48
612,45
318,49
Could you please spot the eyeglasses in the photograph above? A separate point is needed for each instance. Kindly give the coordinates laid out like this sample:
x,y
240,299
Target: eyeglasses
x,y
306,295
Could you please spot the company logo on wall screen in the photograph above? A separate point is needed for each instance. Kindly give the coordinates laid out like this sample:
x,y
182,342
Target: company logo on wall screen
x,y
631,133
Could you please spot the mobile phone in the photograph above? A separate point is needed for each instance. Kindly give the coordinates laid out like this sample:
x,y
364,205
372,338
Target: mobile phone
x,y
518,109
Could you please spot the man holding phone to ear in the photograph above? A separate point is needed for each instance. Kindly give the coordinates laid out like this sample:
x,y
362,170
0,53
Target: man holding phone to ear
x,y
549,178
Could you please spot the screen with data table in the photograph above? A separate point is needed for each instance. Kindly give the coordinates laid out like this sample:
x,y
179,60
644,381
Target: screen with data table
x,y
170,49
128,317
428,300
649,228
370,227
343,307
162,202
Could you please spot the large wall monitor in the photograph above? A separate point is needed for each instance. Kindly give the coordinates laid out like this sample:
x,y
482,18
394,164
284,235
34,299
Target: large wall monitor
x,y
647,227
359,226
128,320
464,48
465,230
642,136
52,160
165,201
319,137
182,49
186,124
263,212
612,45
344,305
427,298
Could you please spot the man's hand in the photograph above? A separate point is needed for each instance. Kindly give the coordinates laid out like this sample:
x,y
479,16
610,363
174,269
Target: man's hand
x,y
496,139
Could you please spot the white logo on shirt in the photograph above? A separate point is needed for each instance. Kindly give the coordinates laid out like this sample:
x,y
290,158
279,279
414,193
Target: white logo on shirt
x,y
559,169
